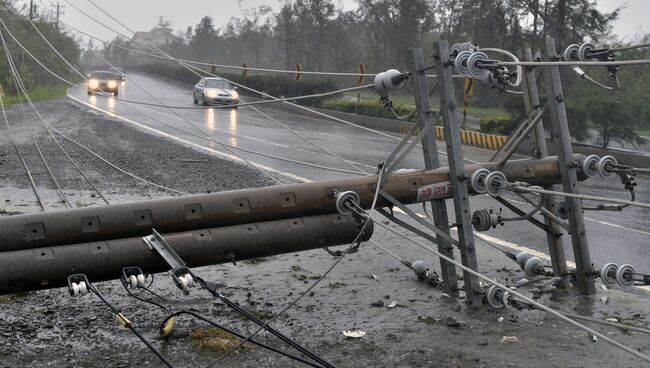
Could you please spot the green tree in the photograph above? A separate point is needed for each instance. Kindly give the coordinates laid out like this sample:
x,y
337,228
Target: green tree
x,y
204,40
614,122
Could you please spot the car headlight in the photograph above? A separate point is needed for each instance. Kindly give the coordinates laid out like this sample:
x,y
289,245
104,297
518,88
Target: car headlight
x,y
112,84
234,94
210,93
93,83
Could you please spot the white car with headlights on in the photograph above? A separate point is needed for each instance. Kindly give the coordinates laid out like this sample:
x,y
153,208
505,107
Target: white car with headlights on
x,y
102,81
215,90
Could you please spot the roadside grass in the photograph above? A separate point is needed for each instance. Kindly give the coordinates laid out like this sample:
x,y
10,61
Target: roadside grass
x,y
41,93
407,100
643,132
6,299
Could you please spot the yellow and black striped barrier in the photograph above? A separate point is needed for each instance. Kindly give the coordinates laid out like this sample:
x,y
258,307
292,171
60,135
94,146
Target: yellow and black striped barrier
x,y
467,137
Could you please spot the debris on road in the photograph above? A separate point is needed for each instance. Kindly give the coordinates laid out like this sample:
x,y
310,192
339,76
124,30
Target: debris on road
x,y
354,334
509,339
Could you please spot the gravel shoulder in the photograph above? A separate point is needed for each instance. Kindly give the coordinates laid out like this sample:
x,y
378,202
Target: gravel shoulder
x,y
425,329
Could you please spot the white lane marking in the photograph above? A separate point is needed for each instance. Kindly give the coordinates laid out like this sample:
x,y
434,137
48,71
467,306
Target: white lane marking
x,y
597,221
618,226
500,242
247,136
188,143
299,178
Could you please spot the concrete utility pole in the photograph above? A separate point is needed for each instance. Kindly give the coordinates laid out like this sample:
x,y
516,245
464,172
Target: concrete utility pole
x,y
555,244
562,137
49,267
187,213
39,251
59,13
457,173
31,9
432,161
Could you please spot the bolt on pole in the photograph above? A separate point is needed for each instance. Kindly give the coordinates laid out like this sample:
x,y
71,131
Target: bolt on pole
x,y
562,137
432,161
553,236
457,174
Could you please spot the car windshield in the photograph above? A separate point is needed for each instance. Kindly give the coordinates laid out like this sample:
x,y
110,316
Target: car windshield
x,y
102,75
217,83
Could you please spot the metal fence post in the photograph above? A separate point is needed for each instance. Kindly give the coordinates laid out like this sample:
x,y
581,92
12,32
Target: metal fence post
x,y
457,174
562,137
555,243
432,161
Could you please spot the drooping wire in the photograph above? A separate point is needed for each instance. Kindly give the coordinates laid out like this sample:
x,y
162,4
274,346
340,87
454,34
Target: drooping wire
x,y
129,325
572,63
60,192
150,95
223,66
354,245
518,187
169,314
30,178
206,136
630,47
327,116
21,87
74,85
184,131
514,292
190,68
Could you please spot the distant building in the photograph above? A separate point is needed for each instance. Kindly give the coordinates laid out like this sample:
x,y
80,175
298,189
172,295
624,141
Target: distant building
x,y
160,35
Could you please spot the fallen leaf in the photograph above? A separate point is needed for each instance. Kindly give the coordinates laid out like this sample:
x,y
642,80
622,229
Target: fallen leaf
x,y
354,334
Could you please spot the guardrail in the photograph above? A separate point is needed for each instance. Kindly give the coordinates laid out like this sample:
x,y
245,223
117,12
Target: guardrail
x,y
467,137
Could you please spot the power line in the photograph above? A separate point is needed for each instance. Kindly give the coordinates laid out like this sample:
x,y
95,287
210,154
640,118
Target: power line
x,y
22,88
514,292
30,178
49,171
517,187
160,121
330,117
157,49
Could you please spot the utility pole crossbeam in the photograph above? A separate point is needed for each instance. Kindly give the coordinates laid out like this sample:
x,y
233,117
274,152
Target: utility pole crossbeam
x,y
555,243
457,174
432,161
562,137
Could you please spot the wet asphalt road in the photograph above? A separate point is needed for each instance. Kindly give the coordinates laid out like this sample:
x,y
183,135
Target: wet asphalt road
x,y
620,237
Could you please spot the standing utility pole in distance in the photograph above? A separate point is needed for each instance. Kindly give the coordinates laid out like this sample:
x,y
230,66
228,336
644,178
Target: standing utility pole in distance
x,y
432,161
562,137
457,174
553,235
59,13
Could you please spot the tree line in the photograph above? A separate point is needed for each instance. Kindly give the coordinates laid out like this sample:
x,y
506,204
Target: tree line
x,y
321,36
32,74
378,33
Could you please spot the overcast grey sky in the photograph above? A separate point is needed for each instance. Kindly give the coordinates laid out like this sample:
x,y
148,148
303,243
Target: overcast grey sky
x,y
143,14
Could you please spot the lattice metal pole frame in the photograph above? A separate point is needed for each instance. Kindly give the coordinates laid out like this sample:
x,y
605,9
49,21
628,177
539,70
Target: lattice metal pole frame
x,y
562,137
553,235
432,161
457,174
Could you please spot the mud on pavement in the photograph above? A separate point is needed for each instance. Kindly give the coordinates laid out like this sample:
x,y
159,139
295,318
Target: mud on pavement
x,y
425,328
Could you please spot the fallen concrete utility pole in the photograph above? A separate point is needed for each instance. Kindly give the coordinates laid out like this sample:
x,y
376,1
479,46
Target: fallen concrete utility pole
x,y
193,212
44,268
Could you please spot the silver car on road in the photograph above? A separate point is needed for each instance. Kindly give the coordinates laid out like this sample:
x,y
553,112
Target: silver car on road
x,y
215,90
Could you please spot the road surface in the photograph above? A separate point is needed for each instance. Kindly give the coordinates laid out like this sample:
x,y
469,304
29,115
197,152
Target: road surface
x,y
619,237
